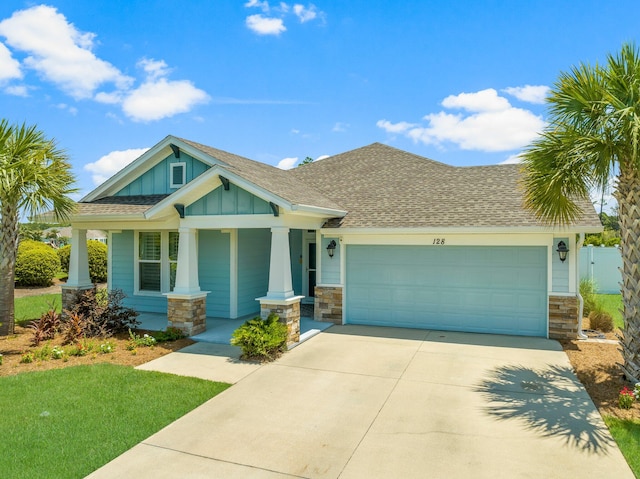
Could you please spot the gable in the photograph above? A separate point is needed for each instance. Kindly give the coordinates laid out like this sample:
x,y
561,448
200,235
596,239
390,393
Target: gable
x,y
157,181
234,201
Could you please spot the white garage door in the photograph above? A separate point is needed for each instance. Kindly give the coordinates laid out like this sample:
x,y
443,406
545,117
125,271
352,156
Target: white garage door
x,y
478,289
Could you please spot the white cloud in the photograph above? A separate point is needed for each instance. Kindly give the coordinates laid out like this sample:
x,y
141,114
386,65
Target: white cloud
x,y
484,100
512,159
340,127
17,90
59,52
305,14
490,123
399,127
529,93
321,157
157,99
111,163
154,68
265,25
9,66
287,163
256,3
71,109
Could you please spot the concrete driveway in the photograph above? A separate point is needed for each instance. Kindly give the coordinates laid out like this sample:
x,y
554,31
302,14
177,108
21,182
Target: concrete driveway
x,y
367,402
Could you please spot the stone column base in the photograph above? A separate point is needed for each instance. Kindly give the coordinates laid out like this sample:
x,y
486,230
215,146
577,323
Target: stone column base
x,y
70,296
328,304
563,317
188,313
289,312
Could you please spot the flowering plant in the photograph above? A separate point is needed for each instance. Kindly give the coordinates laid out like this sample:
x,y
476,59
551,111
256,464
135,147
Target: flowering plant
x,y
626,398
57,353
636,390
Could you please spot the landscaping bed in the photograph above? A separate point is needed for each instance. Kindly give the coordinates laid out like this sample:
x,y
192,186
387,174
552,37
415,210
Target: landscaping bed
x,y
14,347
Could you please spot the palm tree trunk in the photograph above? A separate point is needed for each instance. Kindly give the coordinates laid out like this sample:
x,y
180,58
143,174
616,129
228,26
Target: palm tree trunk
x,y
8,251
628,196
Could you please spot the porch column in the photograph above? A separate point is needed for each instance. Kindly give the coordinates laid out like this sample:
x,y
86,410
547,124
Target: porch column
x,y
79,279
187,304
280,298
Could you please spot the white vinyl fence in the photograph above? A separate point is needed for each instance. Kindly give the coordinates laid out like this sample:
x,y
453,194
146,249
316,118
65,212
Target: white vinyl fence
x,y
601,265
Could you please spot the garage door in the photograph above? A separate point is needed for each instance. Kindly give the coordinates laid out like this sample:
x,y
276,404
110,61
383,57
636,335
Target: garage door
x,y
478,289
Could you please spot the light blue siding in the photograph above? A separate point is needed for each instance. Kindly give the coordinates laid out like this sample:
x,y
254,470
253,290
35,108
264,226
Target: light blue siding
x,y
254,249
559,270
478,289
123,262
235,201
295,246
213,271
602,266
156,180
330,266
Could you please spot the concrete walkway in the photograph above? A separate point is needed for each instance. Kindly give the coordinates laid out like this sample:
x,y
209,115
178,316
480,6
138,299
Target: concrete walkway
x,y
366,402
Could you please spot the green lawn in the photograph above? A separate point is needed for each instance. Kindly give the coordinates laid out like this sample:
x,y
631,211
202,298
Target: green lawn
x,y
32,307
66,423
612,303
627,435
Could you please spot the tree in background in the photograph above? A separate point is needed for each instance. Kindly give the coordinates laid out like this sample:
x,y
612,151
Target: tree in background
x,y
306,161
35,176
593,134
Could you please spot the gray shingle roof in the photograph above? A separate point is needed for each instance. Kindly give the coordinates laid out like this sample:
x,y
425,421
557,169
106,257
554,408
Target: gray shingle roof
x,y
382,187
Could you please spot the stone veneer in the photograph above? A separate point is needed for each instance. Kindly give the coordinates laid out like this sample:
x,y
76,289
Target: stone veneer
x,y
70,296
563,317
328,304
188,314
289,313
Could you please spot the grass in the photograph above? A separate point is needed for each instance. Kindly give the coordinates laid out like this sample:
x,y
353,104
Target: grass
x,y
32,307
612,303
66,423
627,434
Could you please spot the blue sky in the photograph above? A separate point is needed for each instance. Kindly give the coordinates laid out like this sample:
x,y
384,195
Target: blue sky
x,y
460,82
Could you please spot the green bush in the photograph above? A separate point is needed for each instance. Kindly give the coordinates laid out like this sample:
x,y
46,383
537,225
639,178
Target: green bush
x,y
615,241
36,264
588,293
97,252
262,340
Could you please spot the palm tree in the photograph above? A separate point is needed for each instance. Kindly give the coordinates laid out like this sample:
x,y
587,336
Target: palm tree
x,y
593,135
35,176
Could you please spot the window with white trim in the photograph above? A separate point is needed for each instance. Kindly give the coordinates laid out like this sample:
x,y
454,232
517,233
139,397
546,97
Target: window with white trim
x,y
177,174
157,261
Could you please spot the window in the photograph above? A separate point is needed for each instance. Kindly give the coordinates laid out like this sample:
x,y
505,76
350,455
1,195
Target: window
x,y
157,261
177,174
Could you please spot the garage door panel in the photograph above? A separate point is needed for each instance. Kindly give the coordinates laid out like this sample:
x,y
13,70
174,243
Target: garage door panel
x,y
479,289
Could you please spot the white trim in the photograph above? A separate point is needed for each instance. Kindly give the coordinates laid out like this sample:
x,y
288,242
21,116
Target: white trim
x,y
318,258
172,180
462,230
110,234
216,222
233,273
164,263
268,300
450,239
199,294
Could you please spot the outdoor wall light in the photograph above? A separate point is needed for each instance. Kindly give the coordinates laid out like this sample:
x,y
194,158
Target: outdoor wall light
x,y
562,251
331,248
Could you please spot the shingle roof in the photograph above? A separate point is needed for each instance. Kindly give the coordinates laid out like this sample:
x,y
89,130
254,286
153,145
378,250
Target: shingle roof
x,y
275,180
382,187
119,205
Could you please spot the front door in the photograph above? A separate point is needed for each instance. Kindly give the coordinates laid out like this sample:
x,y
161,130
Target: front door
x,y
309,266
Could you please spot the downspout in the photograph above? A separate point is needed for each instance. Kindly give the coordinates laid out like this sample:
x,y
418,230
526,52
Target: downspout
x,y
581,335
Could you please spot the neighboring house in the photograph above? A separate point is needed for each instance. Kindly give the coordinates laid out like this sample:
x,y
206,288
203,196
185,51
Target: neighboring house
x,y
372,236
65,232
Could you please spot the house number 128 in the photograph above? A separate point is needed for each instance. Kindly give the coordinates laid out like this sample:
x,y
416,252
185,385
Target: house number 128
x,y
438,241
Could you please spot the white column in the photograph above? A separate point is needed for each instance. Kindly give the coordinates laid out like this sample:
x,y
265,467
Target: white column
x,y
79,260
280,285
187,271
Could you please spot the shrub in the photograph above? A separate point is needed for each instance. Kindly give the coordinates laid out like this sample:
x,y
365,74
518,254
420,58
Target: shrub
x,y
588,293
102,316
36,264
136,340
46,327
600,320
73,328
615,241
97,252
170,334
262,340
626,398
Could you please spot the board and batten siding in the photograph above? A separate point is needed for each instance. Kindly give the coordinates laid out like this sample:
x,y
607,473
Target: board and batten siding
x,y
214,272
330,273
559,269
254,250
156,180
123,262
234,201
